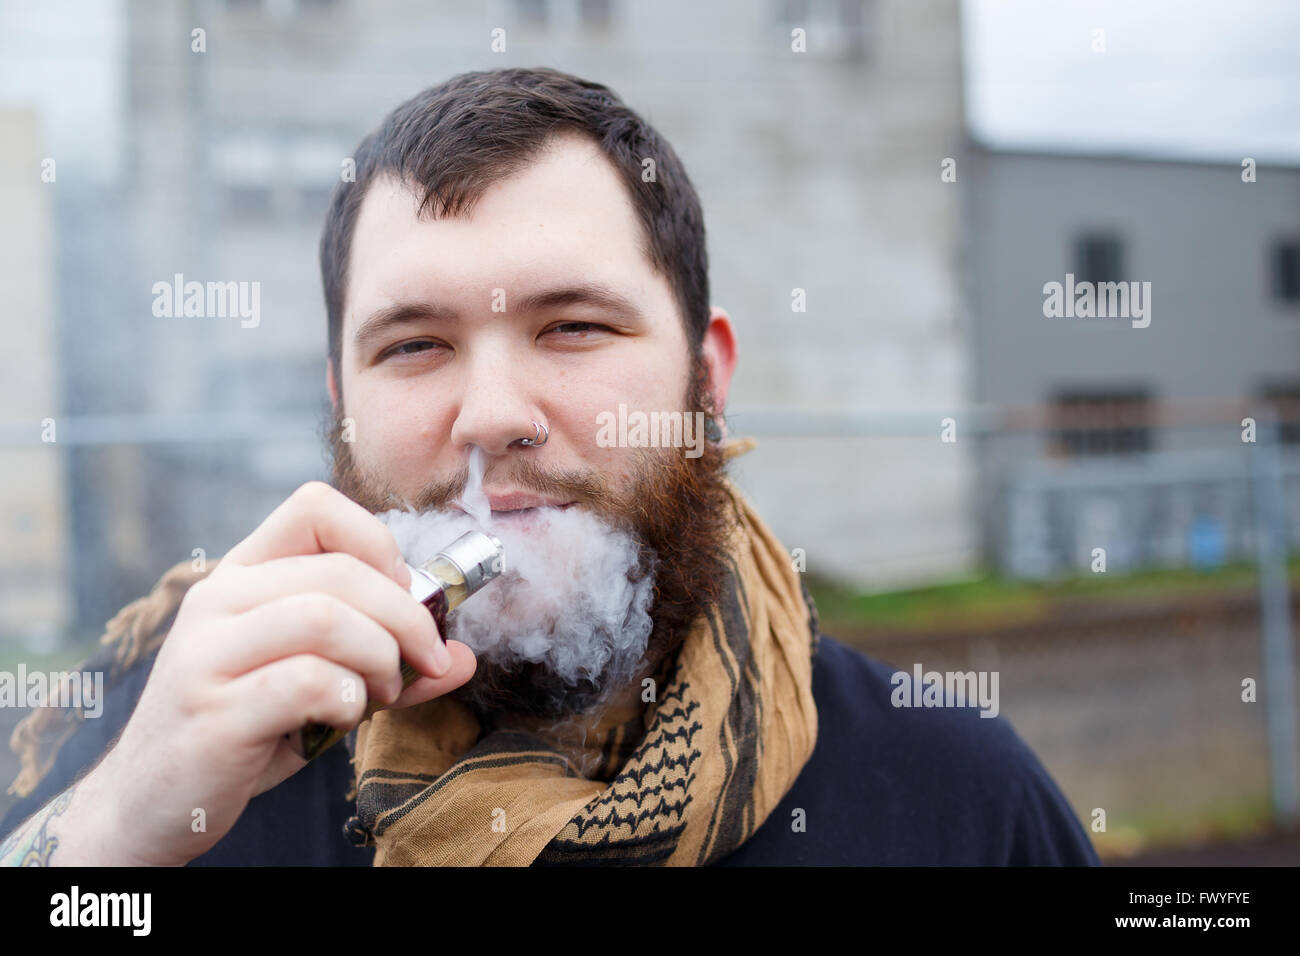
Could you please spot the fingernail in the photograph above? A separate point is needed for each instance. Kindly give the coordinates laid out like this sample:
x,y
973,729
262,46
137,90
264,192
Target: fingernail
x,y
403,572
441,656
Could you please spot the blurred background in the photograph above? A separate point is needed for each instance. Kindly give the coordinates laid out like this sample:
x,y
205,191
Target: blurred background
x,y
1104,513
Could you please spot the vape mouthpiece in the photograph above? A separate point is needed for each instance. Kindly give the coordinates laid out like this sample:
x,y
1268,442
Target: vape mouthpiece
x,y
463,567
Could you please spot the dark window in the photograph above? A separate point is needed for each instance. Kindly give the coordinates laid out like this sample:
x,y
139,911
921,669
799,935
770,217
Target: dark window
x,y
836,28
853,42
1286,270
1101,423
1098,257
794,12
1286,400
532,13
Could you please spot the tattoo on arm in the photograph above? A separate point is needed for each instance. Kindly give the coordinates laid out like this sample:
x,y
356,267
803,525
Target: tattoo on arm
x,y
31,844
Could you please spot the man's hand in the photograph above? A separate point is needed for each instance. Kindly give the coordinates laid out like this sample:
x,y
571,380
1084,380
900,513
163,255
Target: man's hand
x,y
301,621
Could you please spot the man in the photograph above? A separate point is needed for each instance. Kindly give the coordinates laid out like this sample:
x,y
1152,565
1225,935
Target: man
x,y
520,258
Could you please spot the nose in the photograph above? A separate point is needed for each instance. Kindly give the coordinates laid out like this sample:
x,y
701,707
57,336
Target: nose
x,y
496,406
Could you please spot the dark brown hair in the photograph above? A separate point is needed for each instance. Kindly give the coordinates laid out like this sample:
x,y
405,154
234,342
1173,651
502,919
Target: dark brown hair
x,y
454,140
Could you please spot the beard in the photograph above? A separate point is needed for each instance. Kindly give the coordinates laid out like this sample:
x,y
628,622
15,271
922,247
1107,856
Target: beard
x,y
541,652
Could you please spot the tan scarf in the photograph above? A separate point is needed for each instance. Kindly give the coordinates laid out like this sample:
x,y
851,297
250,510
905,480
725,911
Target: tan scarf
x,y
682,779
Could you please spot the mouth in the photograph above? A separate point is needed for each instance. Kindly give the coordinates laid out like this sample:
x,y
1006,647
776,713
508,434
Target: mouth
x,y
518,501
527,512
526,519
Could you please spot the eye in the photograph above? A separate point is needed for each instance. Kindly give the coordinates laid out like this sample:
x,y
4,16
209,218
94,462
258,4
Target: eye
x,y
577,329
408,348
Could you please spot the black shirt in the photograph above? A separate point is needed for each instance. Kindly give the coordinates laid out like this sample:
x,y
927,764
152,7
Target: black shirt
x,y
885,785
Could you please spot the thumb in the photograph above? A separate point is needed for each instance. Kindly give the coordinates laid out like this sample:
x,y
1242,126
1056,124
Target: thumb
x,y
463,666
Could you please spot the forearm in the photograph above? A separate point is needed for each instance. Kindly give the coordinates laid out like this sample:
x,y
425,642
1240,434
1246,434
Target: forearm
x,y
36,839
75,828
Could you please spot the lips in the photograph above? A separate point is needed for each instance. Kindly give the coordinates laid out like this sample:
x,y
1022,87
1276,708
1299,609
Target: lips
x,y
522,501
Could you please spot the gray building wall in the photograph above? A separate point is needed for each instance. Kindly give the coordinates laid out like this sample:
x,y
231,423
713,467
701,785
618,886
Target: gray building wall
x,y
1200,235
34,552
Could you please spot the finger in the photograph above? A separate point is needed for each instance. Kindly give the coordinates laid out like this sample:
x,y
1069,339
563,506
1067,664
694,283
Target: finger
x,y
320,624
347,578
265,704
315,519
463,665
284,763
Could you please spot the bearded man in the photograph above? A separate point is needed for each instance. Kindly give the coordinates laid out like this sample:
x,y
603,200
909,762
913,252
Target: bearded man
x,y
520,258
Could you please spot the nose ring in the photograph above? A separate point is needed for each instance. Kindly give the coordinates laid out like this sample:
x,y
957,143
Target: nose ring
x,y
540,432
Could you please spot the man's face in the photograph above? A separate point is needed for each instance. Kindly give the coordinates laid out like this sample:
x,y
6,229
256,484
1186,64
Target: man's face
x,y
538,306
422,389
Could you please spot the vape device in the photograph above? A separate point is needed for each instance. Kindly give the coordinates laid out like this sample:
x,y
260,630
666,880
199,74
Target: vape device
x,y
441,584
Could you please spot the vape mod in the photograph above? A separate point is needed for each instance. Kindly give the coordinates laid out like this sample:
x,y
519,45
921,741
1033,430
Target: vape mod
x,y
440,584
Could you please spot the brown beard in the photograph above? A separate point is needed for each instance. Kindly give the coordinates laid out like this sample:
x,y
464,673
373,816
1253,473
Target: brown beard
x,y
678,509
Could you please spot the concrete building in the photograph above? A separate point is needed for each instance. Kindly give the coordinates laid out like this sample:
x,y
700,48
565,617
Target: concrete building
x,y
35,571
819,169
1130,436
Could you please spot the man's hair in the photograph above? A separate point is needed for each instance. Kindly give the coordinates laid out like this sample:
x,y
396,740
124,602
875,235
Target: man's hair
x,y
452,141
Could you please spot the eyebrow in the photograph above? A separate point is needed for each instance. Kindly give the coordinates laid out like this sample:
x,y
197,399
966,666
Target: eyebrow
x,y
593,294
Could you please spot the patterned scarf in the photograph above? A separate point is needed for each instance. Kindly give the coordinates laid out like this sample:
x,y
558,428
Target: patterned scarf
x,y
682,776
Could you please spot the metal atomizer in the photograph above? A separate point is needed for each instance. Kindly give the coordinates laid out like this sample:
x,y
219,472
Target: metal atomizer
x,y
441,584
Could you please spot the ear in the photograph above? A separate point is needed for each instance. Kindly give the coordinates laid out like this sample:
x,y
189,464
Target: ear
x,y
331,384
719,349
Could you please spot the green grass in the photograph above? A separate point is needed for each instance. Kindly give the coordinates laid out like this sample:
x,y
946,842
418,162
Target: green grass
x,y
1157,828
991,601
67,658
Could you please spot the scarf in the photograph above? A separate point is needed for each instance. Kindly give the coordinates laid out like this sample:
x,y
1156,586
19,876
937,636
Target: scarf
x,y
681,772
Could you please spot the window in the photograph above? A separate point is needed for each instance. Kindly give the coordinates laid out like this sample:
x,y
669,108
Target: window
x,y
1101,422
839,28
853,31
244,164
1286,270
281,10
1285,398
266,172
531,13
1098,257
